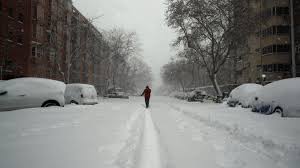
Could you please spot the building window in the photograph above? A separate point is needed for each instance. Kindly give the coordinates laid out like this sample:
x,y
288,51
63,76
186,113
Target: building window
x,y
10,12
275,11
39,52
19,39
48,37
275,67
21,17
282,30
298,48
282,11
287,68
34,12
279,48
270,68
267,50
280,67
66,19
265,68
49,20
275,30
297,29
10,35
282,48
33,51
34,31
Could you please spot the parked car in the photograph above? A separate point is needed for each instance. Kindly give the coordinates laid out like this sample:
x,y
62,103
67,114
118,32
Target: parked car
x,y
116,93
196,95
282,96
243,95
81,94
218,99
31,92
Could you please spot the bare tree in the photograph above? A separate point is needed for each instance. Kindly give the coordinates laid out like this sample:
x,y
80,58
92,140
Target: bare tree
x,y
177,74
211,28
123,46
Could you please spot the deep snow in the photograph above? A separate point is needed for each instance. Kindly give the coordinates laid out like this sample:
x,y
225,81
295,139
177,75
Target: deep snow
x,y
171,133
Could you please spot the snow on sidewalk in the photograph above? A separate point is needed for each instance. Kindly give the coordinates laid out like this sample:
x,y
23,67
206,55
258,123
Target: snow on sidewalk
x,y
72,137
271,137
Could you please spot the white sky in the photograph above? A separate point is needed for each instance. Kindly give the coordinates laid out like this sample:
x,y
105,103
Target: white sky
x,y
146,17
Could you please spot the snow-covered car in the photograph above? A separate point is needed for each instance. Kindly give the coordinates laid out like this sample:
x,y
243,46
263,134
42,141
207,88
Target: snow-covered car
x,y
121,95
243,95
116,92
78,93
282,96
31,92
179,95
196,95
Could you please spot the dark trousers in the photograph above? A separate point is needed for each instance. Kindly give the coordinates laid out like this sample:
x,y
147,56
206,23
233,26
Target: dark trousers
x,y
147,99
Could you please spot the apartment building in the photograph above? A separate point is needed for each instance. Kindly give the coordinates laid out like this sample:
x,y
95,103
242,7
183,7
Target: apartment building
x,y
87,50
15,38
50,44
270,56
49,39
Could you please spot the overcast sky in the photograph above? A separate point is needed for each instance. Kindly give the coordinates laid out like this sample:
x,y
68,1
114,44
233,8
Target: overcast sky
x,y
145,17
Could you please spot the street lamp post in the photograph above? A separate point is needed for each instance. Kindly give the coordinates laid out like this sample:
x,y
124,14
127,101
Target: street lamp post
x,y
293,39
263,76
1,73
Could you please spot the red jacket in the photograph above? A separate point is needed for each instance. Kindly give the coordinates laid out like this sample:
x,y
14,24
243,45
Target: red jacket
x,y
147,92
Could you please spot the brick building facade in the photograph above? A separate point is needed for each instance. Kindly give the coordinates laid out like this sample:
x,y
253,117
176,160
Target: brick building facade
x,y
49,39
15,38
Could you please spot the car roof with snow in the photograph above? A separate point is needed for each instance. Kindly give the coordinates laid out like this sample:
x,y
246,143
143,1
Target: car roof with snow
x,y
40,81
79,85
284,91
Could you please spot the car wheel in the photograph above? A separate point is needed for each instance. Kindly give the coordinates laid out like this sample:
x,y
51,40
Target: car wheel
x,y
73,102
280,111
50,103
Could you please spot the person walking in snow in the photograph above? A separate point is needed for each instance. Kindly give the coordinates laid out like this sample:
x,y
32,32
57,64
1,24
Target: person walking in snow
x,y
147,95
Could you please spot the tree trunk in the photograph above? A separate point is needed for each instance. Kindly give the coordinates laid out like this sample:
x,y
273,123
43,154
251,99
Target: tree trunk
x,y
68,73
214,81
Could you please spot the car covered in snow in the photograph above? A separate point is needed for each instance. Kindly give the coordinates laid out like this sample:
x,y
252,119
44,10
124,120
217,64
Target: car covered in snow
x,y
83,94
179,95
196,95
243,95
282,96
31,92
116,93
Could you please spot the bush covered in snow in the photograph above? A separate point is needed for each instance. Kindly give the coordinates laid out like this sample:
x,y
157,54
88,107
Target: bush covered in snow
x,y
179,95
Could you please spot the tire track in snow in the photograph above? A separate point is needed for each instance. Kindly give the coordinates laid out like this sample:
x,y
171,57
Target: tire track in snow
x,y
127,157
150,156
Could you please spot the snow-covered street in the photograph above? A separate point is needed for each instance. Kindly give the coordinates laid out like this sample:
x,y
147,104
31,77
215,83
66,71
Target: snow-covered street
x,y
171,133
